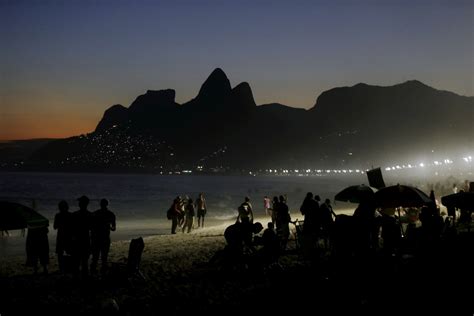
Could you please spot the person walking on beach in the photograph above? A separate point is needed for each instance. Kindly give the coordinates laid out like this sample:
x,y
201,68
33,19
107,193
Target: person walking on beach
x,y
62,223
201,209
189,216
81,242
103,222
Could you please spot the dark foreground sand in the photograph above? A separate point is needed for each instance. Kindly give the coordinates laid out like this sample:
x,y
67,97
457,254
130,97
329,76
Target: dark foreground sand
x,y
180,277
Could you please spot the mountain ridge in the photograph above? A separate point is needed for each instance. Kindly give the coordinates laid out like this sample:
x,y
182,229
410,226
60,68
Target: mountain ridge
x,y
223,126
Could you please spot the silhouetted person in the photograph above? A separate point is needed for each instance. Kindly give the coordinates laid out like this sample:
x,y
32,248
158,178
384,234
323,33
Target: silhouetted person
x,y
327,220
390,234
81,241
240,235
282,222
175,214
245,212
274,209
311,226
189,216
201,209
62,223
366,227
271,245
37,248
432,225
103,222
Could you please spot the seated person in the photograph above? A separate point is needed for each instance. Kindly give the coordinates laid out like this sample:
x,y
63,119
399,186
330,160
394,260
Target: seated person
x,y
271,245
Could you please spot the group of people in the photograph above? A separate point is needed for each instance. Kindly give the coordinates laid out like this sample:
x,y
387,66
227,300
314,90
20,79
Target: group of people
x,y
318,219
240,235
183,210
79,234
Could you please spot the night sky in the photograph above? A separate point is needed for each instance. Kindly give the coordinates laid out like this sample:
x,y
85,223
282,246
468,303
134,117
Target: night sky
x,y
62,63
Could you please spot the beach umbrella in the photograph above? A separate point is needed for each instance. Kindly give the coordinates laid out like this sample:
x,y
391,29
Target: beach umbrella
x,y
401,196
17,216
459,200
356,194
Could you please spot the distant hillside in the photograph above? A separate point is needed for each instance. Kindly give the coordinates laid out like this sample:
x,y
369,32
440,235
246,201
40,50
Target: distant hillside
x,y
17,151
380,123
223,128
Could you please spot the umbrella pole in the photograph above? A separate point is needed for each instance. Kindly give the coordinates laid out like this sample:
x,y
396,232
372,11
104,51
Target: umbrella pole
x,y
400,222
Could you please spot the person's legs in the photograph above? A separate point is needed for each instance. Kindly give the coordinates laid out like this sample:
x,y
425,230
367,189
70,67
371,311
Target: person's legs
x,y
104,256
95,256
174,224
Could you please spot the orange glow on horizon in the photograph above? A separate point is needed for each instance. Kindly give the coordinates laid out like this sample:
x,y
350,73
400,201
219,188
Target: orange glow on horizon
x,y
47,127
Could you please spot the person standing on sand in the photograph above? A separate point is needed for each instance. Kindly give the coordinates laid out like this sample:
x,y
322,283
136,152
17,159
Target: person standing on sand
x,y
245,212
189,214
81,239
266,205
326,214
103,221
37,248
201,209
62,223
283,220
175,214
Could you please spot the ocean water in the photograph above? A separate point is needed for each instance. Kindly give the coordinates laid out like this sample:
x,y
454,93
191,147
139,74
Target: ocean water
x,y
140,201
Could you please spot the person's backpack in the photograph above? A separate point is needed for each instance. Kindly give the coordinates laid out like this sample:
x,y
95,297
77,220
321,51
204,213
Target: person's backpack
x,y
169,213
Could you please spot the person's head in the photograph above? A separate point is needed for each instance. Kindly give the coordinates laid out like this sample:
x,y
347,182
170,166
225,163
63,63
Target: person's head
x,y
309,195
104,203
317,198
190,201
247,199
201,195
63,206
270,225
83,201
282,198
257,227
327,201
275,199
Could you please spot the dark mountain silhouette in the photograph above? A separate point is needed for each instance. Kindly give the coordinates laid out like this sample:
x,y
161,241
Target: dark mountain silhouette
x,y
223,128
383,122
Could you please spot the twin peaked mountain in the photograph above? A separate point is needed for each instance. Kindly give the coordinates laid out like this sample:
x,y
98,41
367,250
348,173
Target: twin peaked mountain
x,y
223,127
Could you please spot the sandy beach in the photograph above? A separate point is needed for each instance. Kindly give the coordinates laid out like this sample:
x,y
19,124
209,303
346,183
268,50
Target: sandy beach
x,y
179,276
